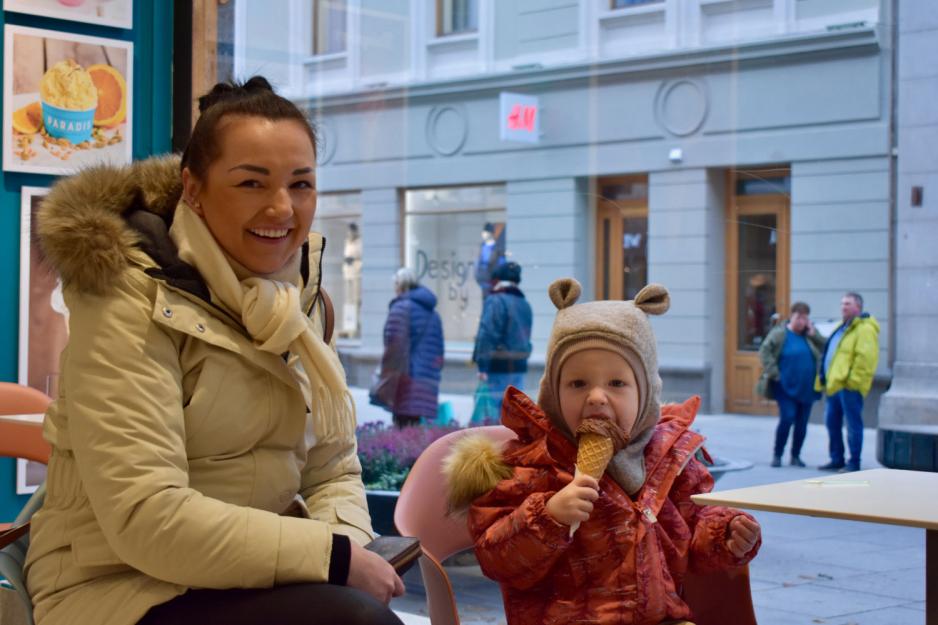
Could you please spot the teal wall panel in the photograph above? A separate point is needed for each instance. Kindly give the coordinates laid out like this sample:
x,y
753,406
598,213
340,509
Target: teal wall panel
x,y
152,36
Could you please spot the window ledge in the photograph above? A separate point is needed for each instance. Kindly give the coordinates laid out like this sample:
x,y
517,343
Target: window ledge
x,y
638,9
452,40
726,6
348,343
325,58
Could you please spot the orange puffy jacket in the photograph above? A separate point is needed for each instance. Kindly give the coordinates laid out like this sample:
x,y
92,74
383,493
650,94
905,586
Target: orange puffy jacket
x,y
625,564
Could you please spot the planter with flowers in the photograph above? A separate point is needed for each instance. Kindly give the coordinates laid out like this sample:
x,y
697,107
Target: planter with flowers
x,y
387,455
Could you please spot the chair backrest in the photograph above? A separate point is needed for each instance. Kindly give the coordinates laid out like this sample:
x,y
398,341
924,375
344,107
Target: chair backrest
x,y
715,598
22,440
421,512
19,399
720,598
421,507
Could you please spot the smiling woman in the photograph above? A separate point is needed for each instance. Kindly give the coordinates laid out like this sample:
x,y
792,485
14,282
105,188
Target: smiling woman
x,y
189,444
251,177
258,198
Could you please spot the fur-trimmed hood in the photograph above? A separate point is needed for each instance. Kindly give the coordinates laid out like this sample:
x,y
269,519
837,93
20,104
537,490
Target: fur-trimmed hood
x,y
94,225
82,225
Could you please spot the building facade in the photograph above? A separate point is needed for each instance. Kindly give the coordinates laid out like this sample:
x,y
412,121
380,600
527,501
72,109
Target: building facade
x,y
740,152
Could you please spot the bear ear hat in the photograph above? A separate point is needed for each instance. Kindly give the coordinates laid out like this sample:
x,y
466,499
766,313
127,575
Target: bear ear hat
x,y
564,292
653,299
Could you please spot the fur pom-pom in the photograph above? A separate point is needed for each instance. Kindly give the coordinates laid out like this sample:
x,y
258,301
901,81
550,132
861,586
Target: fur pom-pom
x,y
473,468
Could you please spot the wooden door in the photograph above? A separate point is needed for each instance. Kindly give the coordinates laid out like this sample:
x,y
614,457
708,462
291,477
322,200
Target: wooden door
x,y
757,289
621,237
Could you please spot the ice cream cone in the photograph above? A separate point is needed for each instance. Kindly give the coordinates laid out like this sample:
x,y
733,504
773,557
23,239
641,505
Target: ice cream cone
x,y
593,454
592,457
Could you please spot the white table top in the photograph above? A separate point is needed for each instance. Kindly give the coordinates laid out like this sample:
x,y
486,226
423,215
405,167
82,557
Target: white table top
x,y
887,496
23,418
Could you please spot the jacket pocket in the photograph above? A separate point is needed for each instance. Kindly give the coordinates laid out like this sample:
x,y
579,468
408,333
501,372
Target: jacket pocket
x,y
355,517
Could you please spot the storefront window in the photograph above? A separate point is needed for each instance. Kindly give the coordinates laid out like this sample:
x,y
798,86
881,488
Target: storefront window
x,y
758,236
622,236
338,218
454,238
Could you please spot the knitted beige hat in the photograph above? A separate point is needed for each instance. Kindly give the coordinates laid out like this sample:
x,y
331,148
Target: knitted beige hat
x,y
621,327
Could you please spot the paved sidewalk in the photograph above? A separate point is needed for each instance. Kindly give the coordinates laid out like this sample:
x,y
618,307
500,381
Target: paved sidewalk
x,y
811,571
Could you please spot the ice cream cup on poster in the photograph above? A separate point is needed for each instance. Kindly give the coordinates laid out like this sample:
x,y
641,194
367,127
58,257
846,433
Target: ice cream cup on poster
x,y
74,126
69,100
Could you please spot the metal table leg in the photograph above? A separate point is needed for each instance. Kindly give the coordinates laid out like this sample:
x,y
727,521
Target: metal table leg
x,y
931,577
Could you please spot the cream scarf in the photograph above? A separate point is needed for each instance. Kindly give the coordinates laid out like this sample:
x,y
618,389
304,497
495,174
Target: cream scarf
x,y
271,311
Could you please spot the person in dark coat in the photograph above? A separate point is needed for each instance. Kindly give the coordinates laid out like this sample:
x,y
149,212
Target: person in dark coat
x,y
413,350
503,342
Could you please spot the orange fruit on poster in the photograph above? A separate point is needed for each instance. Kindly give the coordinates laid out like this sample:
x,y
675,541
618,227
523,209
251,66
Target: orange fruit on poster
x,y
28,120
112,95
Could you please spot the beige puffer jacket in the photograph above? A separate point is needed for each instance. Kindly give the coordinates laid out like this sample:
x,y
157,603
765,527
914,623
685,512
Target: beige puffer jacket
x,y
176,442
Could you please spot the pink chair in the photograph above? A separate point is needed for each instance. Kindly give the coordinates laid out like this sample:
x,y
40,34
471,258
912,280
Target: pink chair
x,y
421,512
716,599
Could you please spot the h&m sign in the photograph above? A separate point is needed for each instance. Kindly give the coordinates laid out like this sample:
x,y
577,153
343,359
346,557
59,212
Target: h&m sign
x,y
520,117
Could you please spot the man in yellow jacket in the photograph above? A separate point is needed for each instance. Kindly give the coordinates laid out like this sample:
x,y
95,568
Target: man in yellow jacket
x,y
846,375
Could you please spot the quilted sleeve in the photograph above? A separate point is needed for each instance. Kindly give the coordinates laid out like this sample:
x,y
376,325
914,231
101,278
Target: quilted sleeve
x,y
709,524
516,541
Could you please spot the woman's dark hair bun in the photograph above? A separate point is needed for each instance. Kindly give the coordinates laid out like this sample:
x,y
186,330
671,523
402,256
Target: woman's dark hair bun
x,y
257,83
253,98
231,90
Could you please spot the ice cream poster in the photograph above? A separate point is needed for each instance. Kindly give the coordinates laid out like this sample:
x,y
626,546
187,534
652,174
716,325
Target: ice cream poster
x,y
66,101
117,13
43,330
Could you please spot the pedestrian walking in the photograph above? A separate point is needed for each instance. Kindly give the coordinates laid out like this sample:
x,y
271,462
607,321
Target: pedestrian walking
x,y
846,376
789,355
503,342
408,382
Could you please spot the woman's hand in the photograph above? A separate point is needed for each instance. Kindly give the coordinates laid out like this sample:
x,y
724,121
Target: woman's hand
x,y
371,573
744,534
574,502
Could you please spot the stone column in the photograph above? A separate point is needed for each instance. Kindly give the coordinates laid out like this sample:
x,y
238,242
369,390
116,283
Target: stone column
x,y
685,254
908,412
547,235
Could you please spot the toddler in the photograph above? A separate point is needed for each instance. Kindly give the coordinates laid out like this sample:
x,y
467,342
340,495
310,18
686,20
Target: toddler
x,y
567,547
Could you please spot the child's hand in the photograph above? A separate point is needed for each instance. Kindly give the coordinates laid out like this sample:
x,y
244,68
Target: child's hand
x,y
744,534
574,502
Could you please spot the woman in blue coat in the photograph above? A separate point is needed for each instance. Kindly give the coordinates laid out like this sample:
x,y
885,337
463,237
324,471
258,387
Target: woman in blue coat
x,y
413,350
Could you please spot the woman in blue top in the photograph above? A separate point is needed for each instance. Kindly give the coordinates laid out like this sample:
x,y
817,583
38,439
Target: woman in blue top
x,y
789,356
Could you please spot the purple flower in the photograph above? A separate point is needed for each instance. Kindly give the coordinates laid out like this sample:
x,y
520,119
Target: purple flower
x,y
387,453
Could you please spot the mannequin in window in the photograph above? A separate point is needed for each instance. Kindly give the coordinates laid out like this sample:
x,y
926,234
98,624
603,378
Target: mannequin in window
x,y
491,255
352,274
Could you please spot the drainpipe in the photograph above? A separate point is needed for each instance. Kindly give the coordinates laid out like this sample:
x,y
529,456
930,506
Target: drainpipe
x,y
893,177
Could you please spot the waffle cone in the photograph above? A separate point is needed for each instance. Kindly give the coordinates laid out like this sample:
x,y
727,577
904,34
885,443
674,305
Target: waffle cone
x,y
593,454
